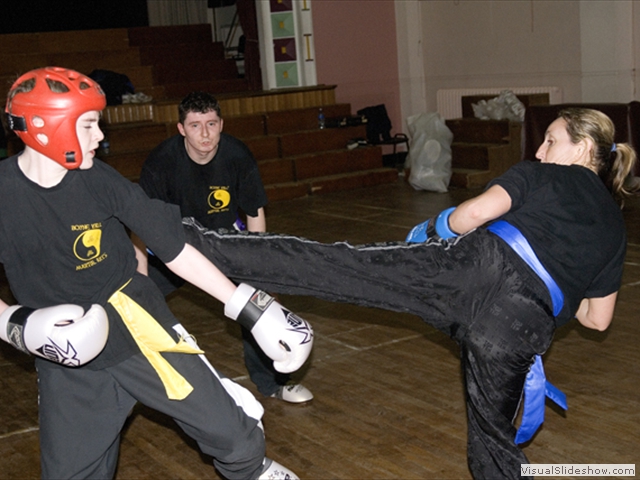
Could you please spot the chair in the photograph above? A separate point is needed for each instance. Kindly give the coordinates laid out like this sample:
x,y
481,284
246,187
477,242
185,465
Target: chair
x,y
379,129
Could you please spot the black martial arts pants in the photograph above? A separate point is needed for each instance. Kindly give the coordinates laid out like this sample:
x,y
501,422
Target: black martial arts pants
x,y
477,290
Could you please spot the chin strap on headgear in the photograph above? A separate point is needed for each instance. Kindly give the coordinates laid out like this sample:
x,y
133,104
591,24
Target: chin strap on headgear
x,y
43,108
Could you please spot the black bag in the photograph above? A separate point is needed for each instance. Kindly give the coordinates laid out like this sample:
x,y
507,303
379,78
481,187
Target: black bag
x,y
113,84
378,123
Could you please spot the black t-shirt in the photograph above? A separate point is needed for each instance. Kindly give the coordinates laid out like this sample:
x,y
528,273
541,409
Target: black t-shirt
x,y
68,243
572,223
212,193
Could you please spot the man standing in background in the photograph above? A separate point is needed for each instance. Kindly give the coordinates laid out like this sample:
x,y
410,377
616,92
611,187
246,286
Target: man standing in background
x,y
213,178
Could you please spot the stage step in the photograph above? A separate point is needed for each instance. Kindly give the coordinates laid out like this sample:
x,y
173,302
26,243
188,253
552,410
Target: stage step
x,y
470,178
245,126
304,118
309,141
180,90
473,130
199,70
331,183
174,53
305,167
169,35
264,147
482,150
279,126
94,41
128,164
137,136
285,158
235,104
335,162
479,156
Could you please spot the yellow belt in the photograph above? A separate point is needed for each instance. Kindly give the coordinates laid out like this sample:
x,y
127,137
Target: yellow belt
x,y
153,339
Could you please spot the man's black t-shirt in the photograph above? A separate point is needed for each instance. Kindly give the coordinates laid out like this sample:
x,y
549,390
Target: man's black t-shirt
x,y
68,243
573,225
211,193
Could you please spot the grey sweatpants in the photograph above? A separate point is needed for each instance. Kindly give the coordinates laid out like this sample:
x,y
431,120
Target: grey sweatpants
x,y
476,290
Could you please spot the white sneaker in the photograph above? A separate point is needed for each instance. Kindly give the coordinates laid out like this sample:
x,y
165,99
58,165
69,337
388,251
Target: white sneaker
x,y
275,471
293,393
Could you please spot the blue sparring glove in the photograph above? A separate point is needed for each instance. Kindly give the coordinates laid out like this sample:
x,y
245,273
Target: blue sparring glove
x,y
437,227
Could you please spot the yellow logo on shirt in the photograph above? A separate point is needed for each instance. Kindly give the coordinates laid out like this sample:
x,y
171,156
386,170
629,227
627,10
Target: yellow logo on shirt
x,y
87,246
218,199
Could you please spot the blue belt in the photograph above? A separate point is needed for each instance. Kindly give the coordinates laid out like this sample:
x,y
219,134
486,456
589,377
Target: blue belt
x,y
536,386
512,236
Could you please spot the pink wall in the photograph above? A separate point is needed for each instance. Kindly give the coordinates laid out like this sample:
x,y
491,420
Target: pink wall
x,y
355,45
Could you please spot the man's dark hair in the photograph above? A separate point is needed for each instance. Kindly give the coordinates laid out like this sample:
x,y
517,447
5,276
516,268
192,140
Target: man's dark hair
x,y
198,102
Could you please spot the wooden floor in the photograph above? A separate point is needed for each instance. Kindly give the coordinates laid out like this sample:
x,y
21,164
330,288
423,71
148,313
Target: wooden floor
x,y
388,392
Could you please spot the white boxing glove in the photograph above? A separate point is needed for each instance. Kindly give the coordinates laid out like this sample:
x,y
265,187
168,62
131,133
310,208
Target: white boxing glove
x,y
64,334
285,338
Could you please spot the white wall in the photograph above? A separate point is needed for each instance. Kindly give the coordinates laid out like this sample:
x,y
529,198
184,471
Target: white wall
x,y
412,77
607,51
487,44
585,47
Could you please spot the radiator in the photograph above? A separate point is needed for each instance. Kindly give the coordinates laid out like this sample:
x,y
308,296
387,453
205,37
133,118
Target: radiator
x,y
450,100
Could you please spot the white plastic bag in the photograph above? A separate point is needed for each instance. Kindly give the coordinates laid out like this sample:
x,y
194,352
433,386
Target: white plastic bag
x,y
429,152
505,106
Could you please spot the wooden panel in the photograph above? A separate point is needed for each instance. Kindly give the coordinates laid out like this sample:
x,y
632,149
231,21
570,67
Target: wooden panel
x,y
277,100
11,43
166,111
245,126
337,161
264,148
172,34
136,137
470,155
141,77
470,178
129,164
300,143
66,41
128,113
286,191
192,71
181,52
117,60
473,130
18,63
84,40
180,90
303,119
276,171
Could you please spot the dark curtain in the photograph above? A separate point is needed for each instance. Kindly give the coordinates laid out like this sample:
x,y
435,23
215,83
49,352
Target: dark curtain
x,y
249,23
25,16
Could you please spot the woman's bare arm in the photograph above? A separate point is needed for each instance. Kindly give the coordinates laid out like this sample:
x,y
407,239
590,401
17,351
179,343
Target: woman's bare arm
x,y
597,313
479,210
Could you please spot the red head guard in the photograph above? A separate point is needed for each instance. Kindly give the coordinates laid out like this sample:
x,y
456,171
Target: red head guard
x,y
45,120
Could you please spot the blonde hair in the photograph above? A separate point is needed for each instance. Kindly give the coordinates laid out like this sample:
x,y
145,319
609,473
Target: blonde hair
x,y
585,123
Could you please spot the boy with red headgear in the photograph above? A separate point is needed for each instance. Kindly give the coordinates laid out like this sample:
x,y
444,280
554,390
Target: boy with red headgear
x,y
65,250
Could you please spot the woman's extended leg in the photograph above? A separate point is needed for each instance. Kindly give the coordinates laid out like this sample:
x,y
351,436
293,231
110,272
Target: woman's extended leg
x,y
428,280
